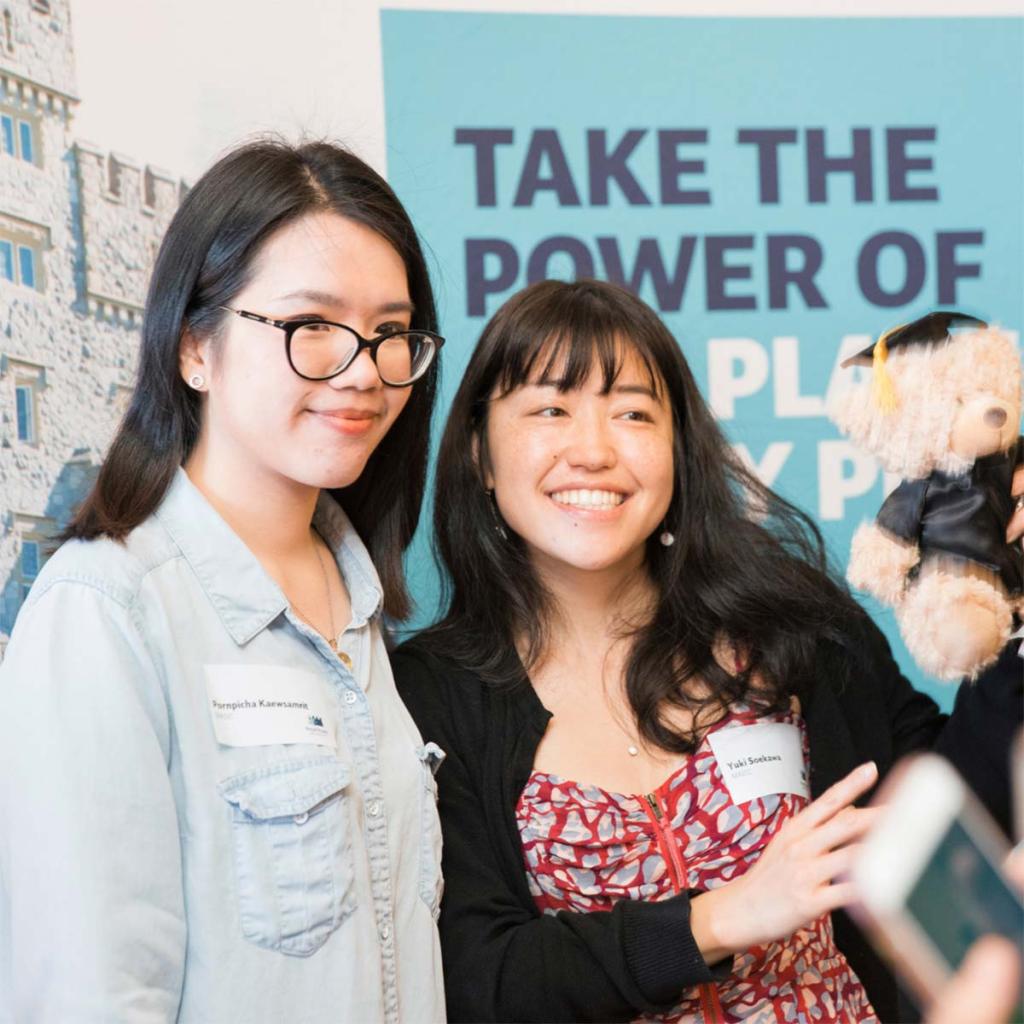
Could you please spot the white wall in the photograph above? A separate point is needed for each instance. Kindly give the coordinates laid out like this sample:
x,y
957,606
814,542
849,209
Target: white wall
x,y
174,84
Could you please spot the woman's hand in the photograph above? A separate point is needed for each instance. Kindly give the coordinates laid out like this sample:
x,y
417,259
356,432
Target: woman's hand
x,y
791,883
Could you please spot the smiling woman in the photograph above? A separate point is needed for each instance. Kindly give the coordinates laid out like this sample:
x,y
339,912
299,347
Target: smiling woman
x,y
583,475
644,679
215,741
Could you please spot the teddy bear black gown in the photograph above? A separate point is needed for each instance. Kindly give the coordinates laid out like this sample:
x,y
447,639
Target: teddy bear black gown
x,y
962,515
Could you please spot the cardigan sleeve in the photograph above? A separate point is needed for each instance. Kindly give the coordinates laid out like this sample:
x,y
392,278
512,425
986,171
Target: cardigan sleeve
x,y
975,738
979,737
503,960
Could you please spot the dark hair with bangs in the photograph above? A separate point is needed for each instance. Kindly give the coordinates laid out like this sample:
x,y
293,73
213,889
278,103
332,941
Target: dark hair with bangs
x,y
559,345
206,258
747,567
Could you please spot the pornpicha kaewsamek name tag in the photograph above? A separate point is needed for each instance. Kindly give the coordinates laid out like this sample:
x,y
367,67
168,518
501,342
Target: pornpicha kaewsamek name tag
x,y
260,705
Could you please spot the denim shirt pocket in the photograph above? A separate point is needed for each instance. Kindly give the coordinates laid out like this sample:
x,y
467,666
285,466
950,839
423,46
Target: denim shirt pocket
x,y
290,829
431,882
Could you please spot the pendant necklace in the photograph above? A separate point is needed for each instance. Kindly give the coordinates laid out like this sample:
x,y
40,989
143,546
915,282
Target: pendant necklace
x,y
332,640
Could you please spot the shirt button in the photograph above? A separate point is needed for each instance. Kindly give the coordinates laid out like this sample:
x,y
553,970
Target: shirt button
x,y
345,660
301,819
374,808
385,933
350,697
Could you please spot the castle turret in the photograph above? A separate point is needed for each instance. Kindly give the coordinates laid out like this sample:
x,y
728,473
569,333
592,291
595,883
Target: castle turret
x,y
36,45
78,232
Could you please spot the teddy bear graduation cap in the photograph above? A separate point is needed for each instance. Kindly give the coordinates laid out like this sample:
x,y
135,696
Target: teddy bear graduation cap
x,y
941,409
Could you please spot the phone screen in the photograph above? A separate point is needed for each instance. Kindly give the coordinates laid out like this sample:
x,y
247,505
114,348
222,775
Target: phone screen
x,y
960,896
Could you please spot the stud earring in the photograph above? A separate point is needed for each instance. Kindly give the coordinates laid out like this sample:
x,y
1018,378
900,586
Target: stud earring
x,y
196,381
667,539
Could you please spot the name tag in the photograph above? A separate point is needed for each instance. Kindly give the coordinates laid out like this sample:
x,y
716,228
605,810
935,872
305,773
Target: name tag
x,y
758,760
259,705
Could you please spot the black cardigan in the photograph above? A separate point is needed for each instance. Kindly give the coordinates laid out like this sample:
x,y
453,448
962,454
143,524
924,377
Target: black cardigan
x,y
505,961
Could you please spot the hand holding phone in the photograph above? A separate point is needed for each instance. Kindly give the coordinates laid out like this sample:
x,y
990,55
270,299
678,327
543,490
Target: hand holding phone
x,y
928,877
986,987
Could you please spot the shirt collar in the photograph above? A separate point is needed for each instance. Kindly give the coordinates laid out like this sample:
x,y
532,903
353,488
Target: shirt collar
x,y
242,593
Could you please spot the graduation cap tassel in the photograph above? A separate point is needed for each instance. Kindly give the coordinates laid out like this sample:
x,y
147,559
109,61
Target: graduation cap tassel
x,y
882,391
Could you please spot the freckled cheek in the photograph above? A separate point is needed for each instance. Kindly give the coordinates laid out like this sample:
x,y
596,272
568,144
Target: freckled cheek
x,y
527,459
655,469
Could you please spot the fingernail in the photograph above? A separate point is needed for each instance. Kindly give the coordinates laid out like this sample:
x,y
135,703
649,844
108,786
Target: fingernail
x,y
868,770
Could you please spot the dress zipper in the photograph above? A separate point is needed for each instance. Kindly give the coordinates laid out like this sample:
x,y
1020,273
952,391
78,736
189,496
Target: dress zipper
x,y
710,1004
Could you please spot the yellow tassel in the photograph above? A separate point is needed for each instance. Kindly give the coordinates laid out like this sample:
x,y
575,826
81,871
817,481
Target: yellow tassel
x,y
882,391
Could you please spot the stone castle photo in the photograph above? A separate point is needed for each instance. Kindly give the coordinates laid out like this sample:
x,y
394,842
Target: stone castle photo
x,y
78,233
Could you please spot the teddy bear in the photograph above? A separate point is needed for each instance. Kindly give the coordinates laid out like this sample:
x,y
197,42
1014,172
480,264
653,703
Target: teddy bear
x,y
941,409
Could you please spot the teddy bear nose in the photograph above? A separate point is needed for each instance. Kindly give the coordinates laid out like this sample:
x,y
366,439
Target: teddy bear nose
x,y
995,417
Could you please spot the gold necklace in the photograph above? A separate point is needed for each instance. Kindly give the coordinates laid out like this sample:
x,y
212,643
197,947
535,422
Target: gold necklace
x,y
332,640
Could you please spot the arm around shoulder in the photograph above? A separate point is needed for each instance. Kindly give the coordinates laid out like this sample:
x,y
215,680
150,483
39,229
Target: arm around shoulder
x,y
91,904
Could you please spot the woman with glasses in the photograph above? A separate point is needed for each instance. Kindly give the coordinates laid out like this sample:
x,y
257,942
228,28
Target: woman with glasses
x,y
213,804
658,707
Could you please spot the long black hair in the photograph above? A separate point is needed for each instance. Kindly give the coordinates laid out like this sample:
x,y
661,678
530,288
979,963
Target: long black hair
x,y
747,568
206,258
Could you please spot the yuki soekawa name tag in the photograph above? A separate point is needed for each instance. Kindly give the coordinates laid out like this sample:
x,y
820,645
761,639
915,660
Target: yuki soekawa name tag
x,y
758,760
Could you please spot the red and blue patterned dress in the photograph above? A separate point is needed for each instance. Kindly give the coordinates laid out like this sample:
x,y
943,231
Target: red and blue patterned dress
x,y
586,848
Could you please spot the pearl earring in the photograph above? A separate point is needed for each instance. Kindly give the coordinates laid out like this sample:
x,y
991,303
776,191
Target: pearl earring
x,y
667,538
197,380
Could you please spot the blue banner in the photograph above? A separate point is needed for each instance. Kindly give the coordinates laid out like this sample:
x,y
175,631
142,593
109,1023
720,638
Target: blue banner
x,y
780,190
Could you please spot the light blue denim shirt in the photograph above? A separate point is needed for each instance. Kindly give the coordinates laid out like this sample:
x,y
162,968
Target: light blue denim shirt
x,y
149,872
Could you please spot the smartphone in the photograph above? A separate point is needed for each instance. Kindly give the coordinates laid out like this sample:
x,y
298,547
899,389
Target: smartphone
x,y
929,875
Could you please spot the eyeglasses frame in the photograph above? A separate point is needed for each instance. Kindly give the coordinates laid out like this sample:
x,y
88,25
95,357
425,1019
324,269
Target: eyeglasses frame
x,y
370,344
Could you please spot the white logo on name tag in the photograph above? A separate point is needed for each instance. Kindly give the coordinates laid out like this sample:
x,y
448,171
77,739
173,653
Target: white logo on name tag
x,y
259,705
757,760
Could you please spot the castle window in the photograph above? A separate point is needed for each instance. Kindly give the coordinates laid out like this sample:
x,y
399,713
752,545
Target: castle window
x,y
149,189
29,379
37,543
27,266
25,138
43,6
19,264
25,401
8,30
22,244
113,177
31,563
18,139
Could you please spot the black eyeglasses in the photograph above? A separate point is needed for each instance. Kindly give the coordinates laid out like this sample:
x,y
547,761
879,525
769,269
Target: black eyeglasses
x,y
320,349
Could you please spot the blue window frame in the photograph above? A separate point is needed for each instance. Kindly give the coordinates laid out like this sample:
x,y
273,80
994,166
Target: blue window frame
x,y
25,403
7,133
31,563
27,266
25,137
30,558
6,260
